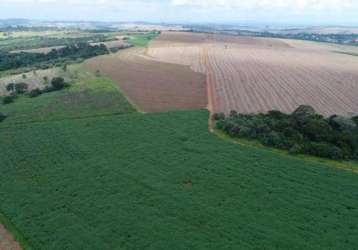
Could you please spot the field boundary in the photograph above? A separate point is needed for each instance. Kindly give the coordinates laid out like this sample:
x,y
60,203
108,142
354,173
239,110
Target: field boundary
x,y
209,87
19,240
347,166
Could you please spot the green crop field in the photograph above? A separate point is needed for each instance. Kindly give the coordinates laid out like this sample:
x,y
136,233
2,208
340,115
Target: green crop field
x,y
142,40
160,181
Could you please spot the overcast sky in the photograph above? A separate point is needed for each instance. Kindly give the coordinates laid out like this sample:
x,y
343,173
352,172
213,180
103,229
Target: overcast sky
x,y
342,12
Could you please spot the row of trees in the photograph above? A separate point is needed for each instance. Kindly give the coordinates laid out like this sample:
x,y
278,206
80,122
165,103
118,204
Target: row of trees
x,y
16,89
10,61
302,132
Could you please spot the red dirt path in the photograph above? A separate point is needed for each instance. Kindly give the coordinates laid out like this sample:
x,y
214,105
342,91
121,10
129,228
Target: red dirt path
x,y
7,242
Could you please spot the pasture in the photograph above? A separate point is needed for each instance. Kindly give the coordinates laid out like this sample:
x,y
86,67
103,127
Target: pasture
x,y
88,95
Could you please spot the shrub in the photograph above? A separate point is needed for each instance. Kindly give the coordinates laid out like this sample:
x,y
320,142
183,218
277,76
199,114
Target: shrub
x,y
35,93
325,150
355,119
21,88
58,83
9,99
342,123
303,113
296,149
219,116
2,117
277,140
10,87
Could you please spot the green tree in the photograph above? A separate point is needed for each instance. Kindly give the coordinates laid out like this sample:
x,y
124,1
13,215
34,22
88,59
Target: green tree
x,y
58,83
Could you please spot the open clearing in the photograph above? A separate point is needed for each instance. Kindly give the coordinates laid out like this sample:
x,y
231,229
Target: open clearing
x,y
153,86
261,74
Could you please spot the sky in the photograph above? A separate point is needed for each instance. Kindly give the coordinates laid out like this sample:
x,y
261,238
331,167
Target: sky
x,y
285,12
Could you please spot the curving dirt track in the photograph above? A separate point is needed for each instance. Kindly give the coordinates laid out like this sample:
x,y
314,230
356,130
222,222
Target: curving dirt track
x,y
260,74
150,85
7,242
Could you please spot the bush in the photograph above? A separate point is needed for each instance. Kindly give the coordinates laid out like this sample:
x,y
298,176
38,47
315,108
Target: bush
x,y
2,117
296,149
21,88
35,93
325,150
342,123
10,87
355,119
219,116
9,99
58,83
303,113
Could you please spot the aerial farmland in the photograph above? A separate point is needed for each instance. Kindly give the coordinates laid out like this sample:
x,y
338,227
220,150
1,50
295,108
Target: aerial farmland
x,y
167,136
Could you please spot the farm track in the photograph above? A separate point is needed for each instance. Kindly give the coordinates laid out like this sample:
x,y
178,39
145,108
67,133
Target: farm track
x,y
260,74
7,242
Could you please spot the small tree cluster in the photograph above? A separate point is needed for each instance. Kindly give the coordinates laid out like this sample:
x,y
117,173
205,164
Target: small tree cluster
x,y
15,89
2,117
303,131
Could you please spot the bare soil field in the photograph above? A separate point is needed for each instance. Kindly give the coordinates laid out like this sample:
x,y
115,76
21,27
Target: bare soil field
x,y
261,74
153,86
7,242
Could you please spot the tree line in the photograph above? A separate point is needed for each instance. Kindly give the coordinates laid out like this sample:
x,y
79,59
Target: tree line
x,y
302,132
9,61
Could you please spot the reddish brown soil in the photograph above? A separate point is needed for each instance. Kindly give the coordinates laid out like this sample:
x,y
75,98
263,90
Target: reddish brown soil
x,y
153,86
259,74
7,242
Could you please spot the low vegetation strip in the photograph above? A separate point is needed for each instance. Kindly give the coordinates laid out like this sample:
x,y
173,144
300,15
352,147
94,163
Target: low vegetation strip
x,y
159,181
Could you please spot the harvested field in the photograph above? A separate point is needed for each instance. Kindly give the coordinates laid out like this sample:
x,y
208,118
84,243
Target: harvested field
x,y
261,74
153,86
7,242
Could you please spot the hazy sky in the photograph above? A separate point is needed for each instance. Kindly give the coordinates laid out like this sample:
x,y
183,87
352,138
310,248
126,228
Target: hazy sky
x,y
228,11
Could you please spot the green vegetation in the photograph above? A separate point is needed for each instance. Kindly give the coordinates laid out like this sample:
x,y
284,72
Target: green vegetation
x,y
10,61
159,181
303,131
88,95
42,40
142,39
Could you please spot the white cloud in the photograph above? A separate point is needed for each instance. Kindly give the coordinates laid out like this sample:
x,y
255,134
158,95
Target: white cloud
x,y
268,4
296,11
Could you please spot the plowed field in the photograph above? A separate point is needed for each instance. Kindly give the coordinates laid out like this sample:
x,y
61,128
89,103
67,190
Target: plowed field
x,y
261,74
153,86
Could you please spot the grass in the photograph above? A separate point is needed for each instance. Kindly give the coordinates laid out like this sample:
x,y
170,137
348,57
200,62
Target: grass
x,y
160,181
142,40
88,96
